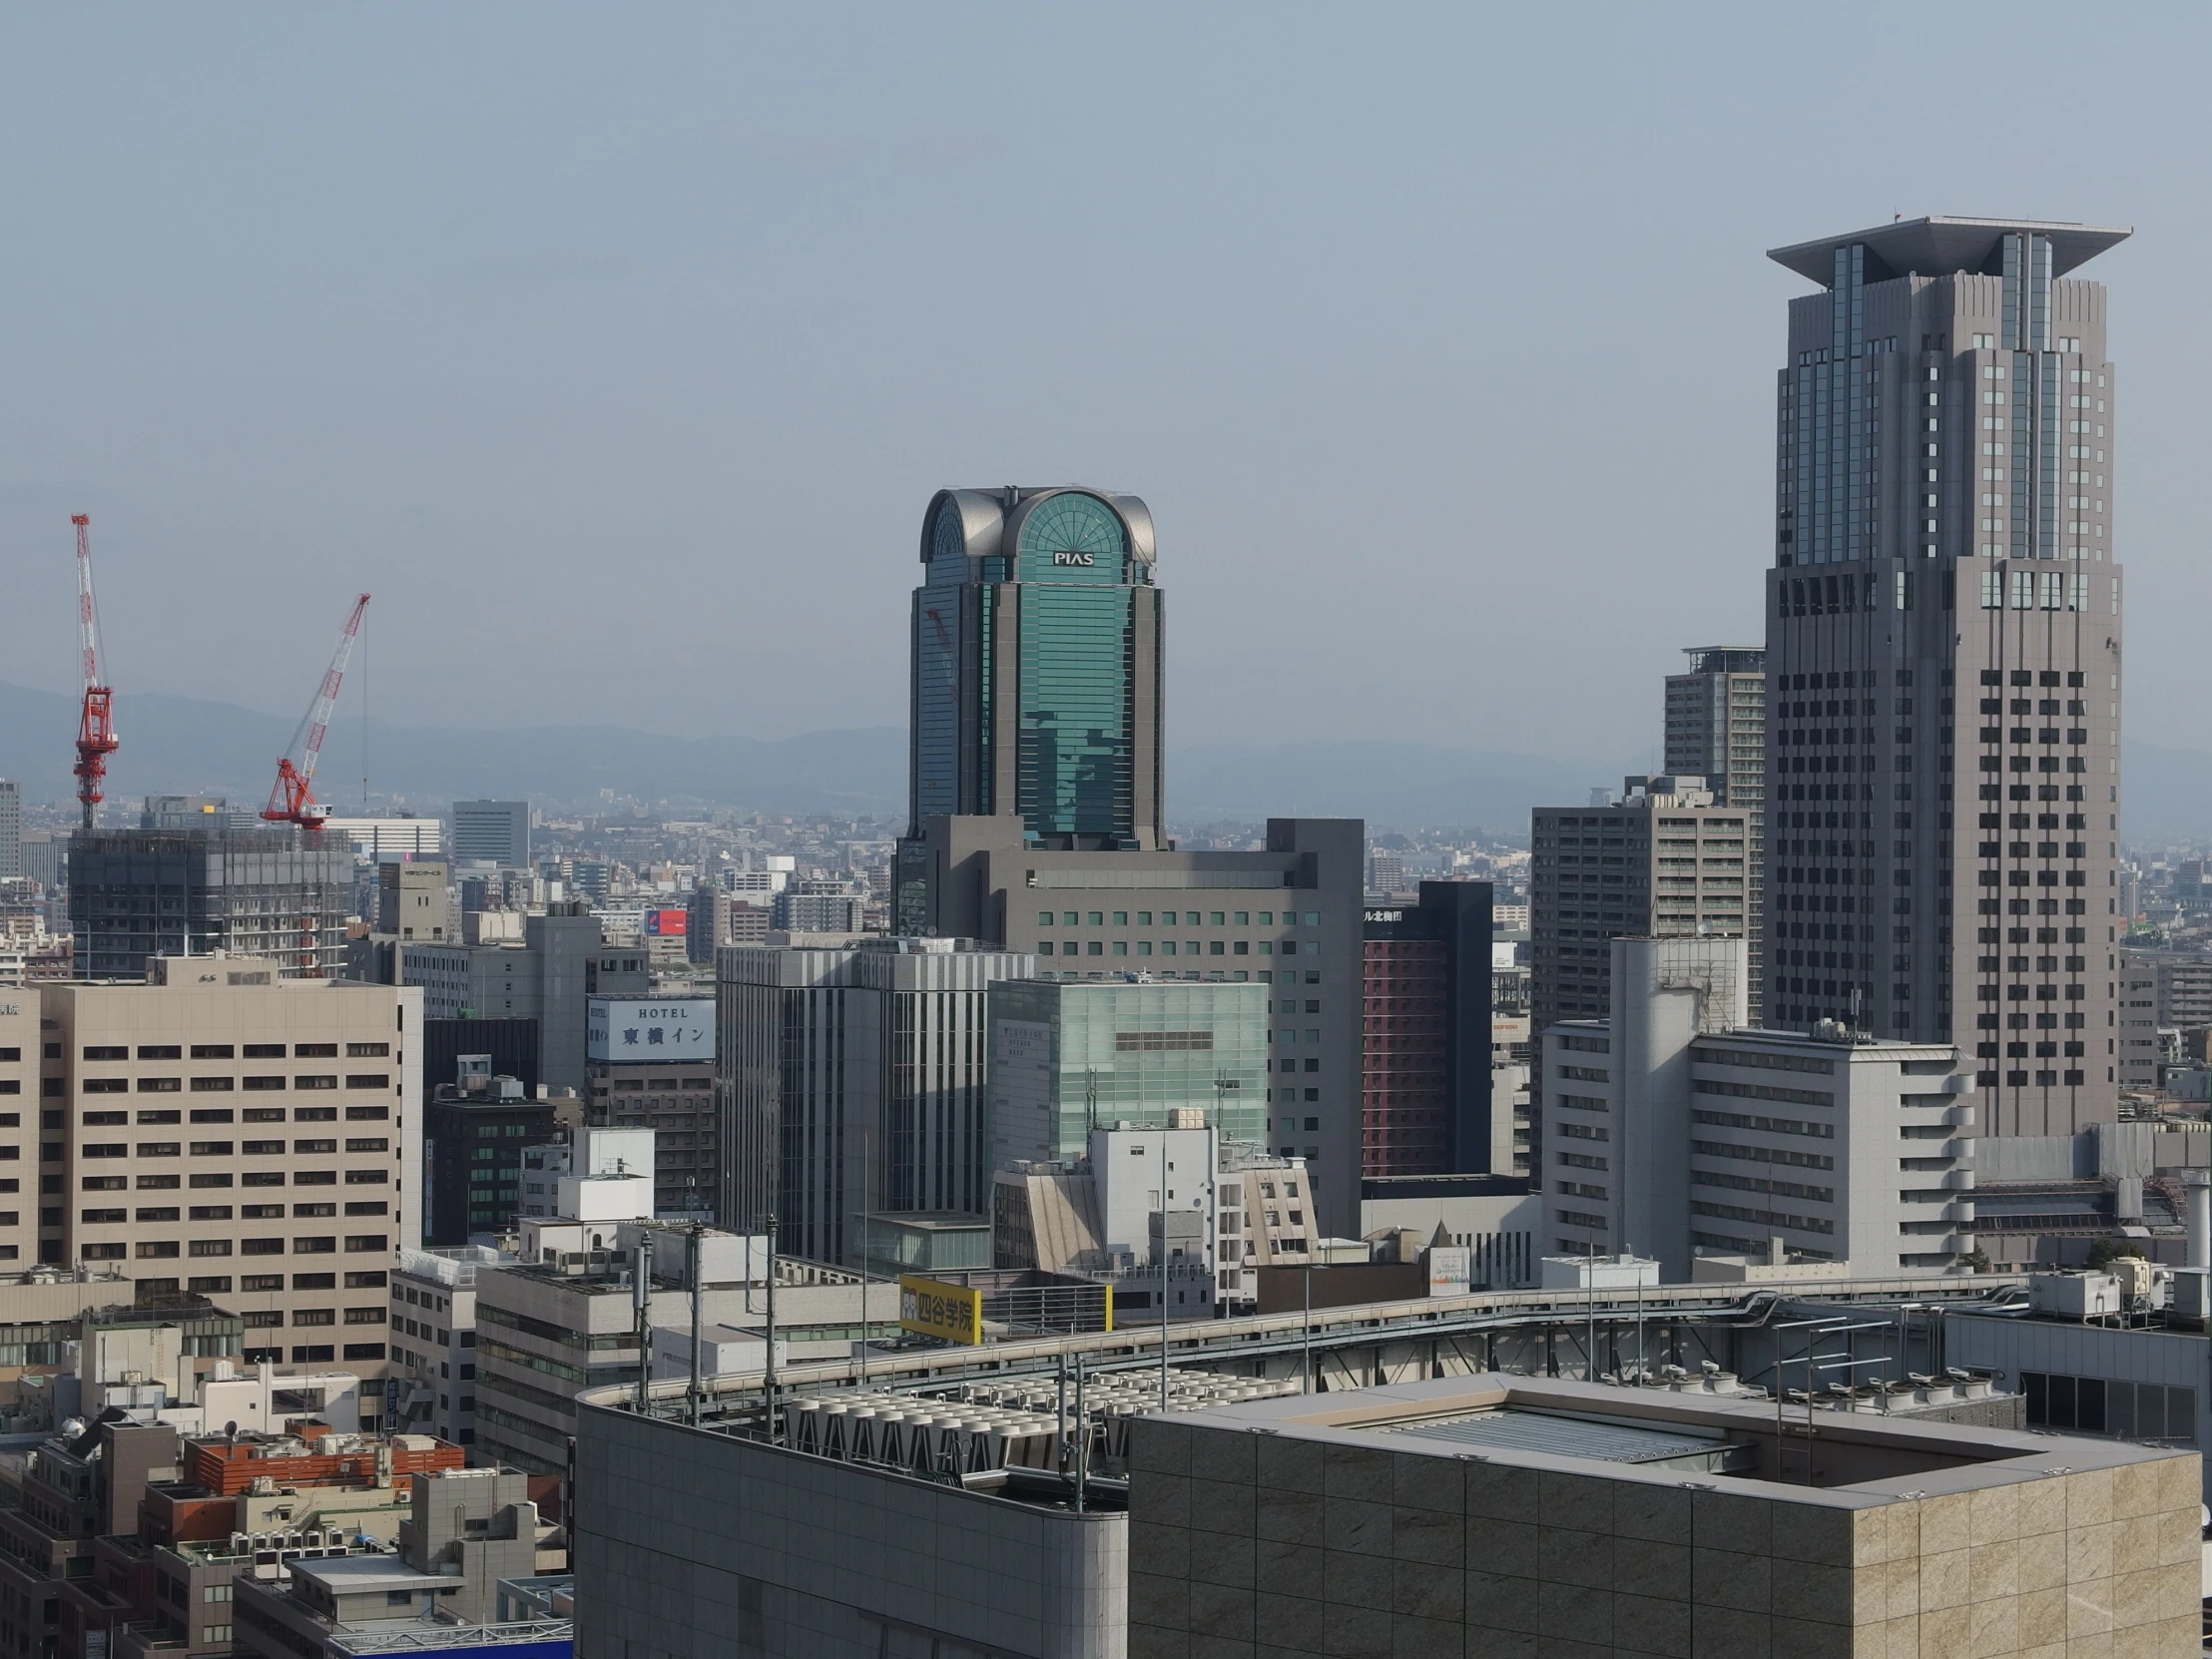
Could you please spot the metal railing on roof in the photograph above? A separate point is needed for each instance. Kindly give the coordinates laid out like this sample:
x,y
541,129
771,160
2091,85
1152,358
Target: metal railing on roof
x,y
437,1637
1216,1340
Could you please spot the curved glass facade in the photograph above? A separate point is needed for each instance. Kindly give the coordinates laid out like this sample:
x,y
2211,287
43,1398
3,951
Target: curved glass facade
x,y
1072,537
1035,666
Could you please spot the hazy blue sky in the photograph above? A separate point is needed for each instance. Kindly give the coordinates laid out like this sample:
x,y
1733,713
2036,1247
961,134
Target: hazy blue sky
x,y
618,348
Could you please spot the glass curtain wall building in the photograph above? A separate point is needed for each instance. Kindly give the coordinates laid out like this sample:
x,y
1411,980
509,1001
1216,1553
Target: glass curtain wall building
x,y
1036,666
1944,658
1067,1055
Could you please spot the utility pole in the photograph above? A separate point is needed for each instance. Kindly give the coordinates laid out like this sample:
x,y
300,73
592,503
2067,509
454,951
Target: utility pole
x,y
864,1213
1640,1368
1082,1436
698,1253
640,1303
1589,1280
768,1380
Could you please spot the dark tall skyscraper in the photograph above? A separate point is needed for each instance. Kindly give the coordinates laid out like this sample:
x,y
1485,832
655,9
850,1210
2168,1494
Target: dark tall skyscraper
x,y
1036,666
1944,658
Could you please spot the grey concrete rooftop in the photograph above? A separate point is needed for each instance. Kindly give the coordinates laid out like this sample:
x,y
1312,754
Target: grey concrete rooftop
x,y
1864,1459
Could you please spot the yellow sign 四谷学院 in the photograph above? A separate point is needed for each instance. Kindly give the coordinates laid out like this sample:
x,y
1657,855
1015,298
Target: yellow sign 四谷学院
x,y
932,1307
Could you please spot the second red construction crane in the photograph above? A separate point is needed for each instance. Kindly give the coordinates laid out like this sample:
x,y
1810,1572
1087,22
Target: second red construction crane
x,y
96,739
292,800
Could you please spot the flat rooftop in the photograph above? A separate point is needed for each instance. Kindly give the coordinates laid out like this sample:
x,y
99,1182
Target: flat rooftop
x,y
1578,1434
351,1575
1851,1460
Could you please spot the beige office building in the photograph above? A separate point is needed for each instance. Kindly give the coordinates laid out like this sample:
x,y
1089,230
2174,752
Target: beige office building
x,y
19,1104
228,1133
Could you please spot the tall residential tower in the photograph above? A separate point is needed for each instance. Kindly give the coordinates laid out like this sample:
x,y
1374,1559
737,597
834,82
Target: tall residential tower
x,y
1717,729
1717,723
1944,658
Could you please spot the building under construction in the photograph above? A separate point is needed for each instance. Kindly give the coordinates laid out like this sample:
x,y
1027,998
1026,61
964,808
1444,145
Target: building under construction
x,y
196,877
261,891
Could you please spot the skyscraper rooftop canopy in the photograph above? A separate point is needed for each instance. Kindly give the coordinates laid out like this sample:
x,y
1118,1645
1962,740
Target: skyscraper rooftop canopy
x,y
975,523
1941,244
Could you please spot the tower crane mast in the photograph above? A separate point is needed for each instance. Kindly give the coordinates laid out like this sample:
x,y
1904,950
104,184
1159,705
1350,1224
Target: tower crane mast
x,y
292,800
96,739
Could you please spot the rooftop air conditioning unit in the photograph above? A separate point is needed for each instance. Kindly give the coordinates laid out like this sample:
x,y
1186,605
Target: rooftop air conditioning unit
x,y
2077,1296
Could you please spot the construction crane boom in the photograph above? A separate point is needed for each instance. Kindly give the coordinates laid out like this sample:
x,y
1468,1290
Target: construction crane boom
x,y
292,800
96,739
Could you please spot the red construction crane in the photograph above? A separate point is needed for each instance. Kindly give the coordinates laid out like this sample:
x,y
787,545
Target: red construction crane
x,y
96,739
292,800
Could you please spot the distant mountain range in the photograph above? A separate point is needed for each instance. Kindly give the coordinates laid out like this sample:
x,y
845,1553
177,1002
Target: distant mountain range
x,y
1401,784
181,745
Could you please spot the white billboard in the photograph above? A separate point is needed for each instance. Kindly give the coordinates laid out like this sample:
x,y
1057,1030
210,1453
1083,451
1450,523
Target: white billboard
x,y
648,1028
1450,1270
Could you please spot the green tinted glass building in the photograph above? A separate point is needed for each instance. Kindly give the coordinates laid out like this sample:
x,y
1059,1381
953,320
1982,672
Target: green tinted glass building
x,y
1067,1053
1036,666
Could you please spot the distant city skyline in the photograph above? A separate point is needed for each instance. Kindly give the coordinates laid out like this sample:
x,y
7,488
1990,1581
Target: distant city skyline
x,y
1417,414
